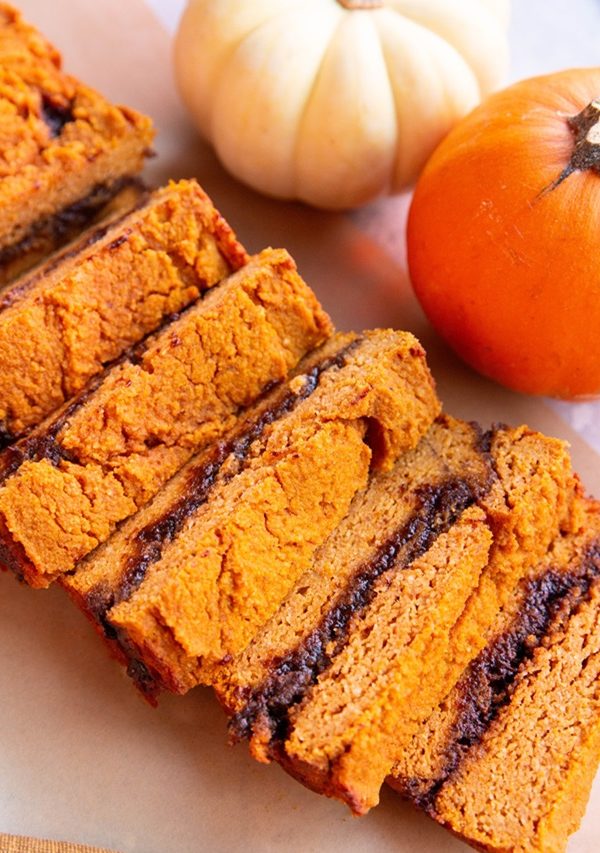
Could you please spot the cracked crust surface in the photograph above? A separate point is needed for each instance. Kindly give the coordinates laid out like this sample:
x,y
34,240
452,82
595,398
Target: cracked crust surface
x,y
343,709
59,139
221,572
84,308
93,464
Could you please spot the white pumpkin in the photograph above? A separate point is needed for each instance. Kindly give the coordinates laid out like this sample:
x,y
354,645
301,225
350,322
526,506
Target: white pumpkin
x,y
335,102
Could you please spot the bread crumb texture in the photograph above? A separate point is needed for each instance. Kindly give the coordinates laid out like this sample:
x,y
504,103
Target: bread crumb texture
x,y
94,464
77,316
227,568
397,602
59,139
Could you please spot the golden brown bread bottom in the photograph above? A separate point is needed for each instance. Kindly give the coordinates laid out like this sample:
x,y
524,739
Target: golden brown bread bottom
x,y
188,581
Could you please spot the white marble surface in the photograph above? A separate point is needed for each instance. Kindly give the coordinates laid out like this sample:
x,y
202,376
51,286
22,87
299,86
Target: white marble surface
x,y
545,36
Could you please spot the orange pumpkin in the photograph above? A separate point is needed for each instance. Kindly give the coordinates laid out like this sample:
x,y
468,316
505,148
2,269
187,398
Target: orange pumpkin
x,y
504,233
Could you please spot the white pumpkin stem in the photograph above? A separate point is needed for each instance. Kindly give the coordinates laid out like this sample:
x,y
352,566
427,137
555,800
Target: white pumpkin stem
x,y
361,4
585,127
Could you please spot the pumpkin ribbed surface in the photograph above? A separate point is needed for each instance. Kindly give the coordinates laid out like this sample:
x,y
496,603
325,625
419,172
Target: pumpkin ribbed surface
x,y
334,102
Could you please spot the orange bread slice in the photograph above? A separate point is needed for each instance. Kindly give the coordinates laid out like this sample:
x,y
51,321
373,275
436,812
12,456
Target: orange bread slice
x,y
64,148
508,761
55,235
58,235
369,640
66,486
120,282
190,579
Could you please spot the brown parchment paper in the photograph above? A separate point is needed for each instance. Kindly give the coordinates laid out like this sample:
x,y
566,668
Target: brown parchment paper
x,y
81,757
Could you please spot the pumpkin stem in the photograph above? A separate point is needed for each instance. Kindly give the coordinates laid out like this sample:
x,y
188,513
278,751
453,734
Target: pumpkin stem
x,y
361,4
585,127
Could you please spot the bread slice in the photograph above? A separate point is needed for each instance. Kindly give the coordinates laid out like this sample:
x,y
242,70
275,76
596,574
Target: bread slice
x,y
83,308
55,235
189,580
66,486
508,760
377,631
65,149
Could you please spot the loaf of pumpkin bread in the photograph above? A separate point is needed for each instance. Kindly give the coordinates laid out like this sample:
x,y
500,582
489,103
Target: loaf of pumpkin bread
x,y
65,149
186,583
66,485
376,632
508,759
83,308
